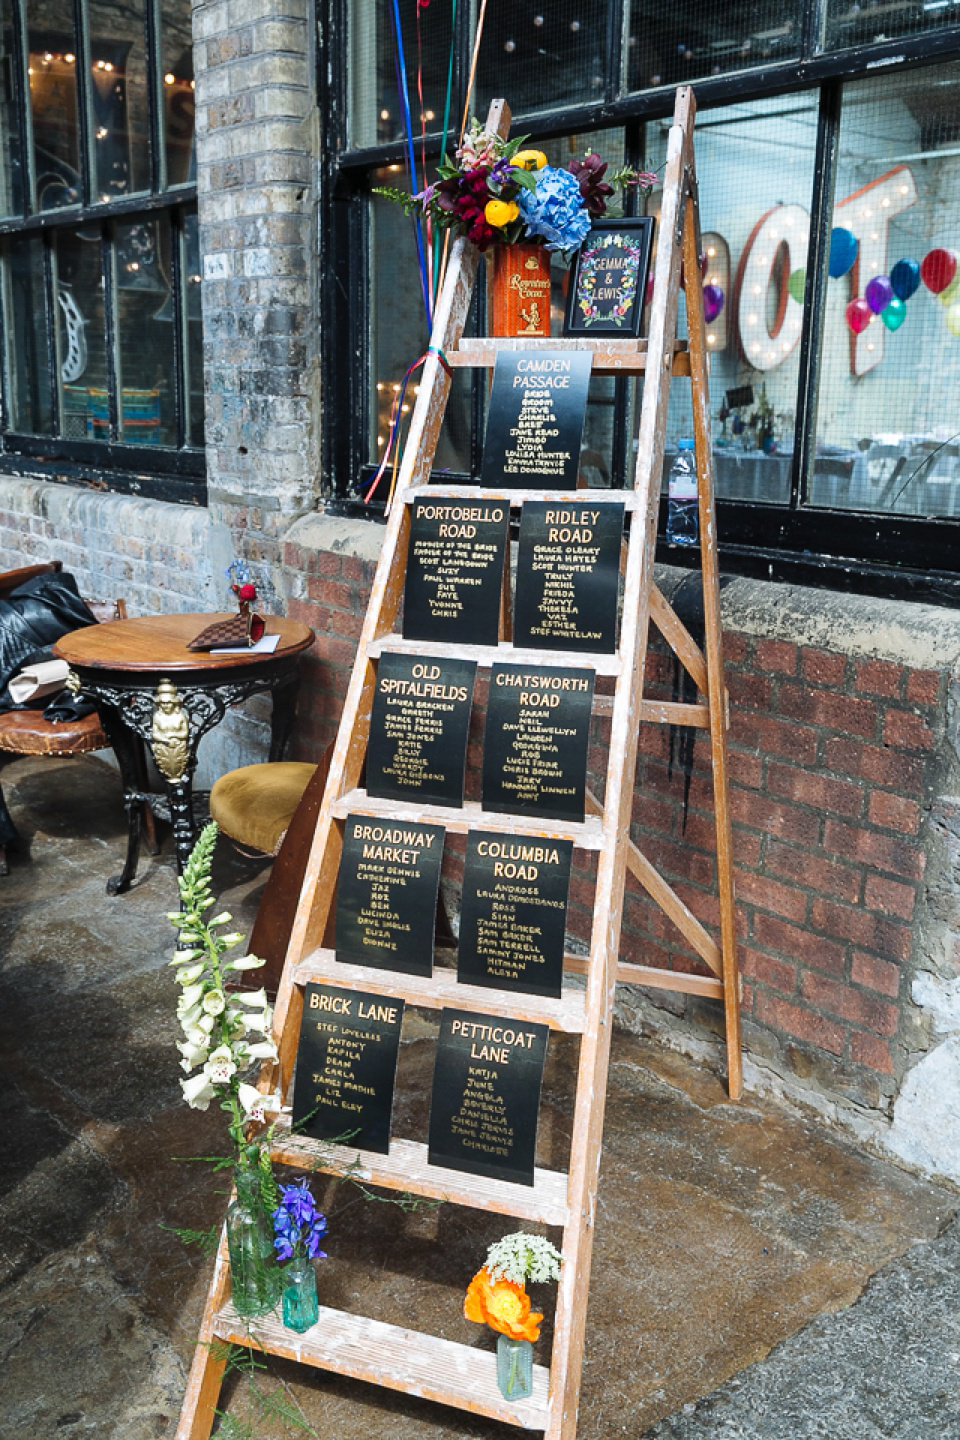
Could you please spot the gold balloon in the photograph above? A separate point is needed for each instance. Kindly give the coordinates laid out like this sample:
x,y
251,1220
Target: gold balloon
x,y
951,295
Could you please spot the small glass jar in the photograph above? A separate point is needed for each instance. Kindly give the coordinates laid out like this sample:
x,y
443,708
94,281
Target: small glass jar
x,y
254,1273
514,1368
301,1308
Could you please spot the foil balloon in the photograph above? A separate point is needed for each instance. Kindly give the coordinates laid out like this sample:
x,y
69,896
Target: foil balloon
x,y
905,279
713,301
938,269
843,251
859,315
879,293
895,314
797,285
953,319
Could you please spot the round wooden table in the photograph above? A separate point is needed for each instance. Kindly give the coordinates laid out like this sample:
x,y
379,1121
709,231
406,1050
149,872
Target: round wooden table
x,y
150,688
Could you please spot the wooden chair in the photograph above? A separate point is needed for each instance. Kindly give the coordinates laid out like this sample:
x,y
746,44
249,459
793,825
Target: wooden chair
x,y
27,732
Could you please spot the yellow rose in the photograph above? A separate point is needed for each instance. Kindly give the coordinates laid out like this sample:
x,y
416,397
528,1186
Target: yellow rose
x,y
529,159
500,212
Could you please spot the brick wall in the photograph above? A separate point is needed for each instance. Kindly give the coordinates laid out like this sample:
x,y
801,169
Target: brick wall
x,y
838,760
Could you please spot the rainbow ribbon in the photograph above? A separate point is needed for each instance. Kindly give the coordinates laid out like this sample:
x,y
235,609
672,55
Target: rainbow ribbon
x,y
396,415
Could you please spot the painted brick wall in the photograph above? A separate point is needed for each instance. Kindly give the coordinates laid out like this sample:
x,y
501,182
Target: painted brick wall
x,y
837,761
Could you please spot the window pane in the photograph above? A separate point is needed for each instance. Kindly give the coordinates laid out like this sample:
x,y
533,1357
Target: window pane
x,y
11,159
179,111
80,334
537,55
670,44
119,123
399,336
193,385
847,22
755,170
53,100
376,104
28,367
145,333
888,434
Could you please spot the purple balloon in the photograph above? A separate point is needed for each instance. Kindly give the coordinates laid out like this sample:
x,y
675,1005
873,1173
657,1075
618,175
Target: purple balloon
x,y
713,301
879,293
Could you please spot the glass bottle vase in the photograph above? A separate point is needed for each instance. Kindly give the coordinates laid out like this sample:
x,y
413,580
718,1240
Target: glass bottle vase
x,y
514,1368
300,1306
254,1273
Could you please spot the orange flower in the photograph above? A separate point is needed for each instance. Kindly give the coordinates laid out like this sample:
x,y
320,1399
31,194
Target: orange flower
x,y
503,1305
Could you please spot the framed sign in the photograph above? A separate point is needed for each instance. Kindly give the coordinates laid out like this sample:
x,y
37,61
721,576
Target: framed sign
x,y
608,280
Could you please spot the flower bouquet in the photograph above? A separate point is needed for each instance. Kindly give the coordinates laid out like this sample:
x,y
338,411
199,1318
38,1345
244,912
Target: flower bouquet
x,y
227,1032
497,1296
298,1229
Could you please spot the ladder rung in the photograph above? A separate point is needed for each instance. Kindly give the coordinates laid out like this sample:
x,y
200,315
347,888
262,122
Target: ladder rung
x,y
518,498
587,835
442,988
626,356
407,1360
406,1168
494,654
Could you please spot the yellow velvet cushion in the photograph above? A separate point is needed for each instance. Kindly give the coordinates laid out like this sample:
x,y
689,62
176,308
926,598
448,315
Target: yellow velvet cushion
x,y
255,804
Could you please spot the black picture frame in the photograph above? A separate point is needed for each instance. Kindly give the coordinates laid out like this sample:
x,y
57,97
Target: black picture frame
x,y
630,242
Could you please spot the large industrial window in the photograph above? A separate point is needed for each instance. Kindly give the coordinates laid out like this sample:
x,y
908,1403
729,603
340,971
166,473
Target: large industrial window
x,y
827,180
99,255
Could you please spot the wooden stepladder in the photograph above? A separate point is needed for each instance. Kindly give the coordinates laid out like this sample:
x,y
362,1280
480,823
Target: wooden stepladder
x,y
358,1346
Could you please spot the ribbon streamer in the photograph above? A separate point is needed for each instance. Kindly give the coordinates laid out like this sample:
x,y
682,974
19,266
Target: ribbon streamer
x,y
396,415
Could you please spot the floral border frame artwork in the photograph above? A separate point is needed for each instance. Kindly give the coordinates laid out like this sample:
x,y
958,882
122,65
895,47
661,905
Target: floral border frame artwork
x,y
595,308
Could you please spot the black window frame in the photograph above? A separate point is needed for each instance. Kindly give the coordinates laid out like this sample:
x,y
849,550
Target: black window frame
x,y
801,543
166,472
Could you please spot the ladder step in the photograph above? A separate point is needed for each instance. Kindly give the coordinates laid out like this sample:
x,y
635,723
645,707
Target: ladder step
x,y
406,1168
407,1360
517,498
588,835
442,988
494,654
626,356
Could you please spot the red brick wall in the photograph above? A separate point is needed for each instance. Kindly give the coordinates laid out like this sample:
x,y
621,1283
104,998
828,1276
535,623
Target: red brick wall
x,y
834,761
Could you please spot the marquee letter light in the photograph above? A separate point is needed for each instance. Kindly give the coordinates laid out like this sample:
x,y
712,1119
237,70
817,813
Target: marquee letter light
x,y
867,213
717,252
781,236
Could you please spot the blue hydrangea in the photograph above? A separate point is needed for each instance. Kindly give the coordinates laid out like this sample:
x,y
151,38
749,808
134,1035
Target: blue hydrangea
x,y
555,210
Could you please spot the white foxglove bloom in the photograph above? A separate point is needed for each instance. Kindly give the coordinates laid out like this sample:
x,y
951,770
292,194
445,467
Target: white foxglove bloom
x,y
193,1054
189,997
189,1018
257,1106
255,999
263,1050
245,962
197,1091
220,1067
190,973
214,1002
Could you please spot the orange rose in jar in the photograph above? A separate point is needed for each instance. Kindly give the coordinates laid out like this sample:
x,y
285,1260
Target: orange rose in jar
x,y
503,1305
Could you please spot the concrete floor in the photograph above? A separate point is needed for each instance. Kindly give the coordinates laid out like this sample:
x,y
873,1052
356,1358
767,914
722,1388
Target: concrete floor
x,y
733,1291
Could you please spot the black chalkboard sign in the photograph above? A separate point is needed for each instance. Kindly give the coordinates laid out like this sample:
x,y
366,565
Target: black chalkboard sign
x,y
486,1095
568,576
387,894
347,1066
455,570
418,729
513,912
538,403
608,281
535,740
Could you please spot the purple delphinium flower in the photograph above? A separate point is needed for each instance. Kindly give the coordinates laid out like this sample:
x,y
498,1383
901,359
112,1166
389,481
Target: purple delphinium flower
x,y
555,210
298,1225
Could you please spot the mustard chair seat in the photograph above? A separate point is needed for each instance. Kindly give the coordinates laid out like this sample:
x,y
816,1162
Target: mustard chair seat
x,y
255,804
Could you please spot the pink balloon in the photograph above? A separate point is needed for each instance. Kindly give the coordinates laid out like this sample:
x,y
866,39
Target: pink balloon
x,y
859,316
938,269
649,295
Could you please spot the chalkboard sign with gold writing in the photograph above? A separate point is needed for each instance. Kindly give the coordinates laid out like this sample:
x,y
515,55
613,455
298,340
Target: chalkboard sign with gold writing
x,y
455,570
513,912
347,1066
535,740
418,729
486,1095
568,576
535,420
387,894
608,281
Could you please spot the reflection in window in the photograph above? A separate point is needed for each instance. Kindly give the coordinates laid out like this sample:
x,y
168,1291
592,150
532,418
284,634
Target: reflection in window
x,y
145,333
377,106
888,436
28,360
179,92
193,382
848,22
52,72
671,44
11,160
540,56
118,97
81,337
